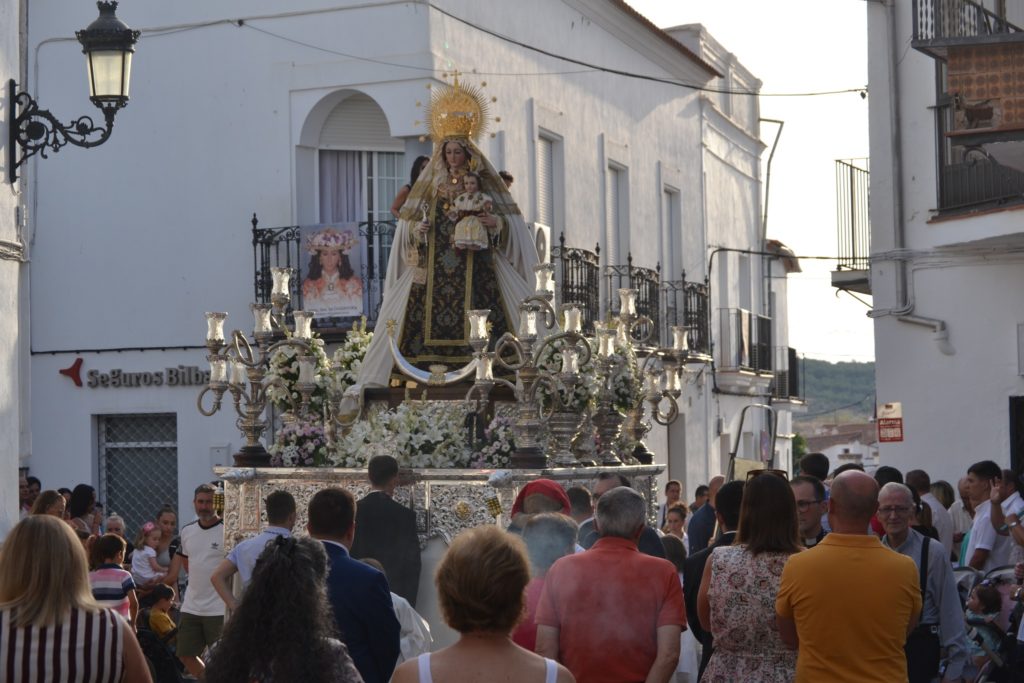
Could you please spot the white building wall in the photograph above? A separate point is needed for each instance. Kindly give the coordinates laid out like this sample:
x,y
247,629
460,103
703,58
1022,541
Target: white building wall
x,y
963,272
12,342
224,121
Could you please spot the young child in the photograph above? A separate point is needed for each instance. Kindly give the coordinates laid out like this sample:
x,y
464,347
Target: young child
x,y
112,586
983,608
145,568
470,233
160,621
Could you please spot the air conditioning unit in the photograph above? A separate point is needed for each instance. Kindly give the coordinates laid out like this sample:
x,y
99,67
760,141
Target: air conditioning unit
x,y
542,240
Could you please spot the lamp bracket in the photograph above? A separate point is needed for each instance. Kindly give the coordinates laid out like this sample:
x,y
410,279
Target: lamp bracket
x,y
36,131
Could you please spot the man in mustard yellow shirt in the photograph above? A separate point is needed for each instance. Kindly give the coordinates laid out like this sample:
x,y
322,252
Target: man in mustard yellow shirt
x,y
849,602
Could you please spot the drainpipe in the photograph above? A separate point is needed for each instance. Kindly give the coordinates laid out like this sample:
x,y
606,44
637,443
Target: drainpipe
x,y
904,309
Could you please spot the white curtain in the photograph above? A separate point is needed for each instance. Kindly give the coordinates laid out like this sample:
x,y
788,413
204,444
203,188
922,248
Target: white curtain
x,y
341,187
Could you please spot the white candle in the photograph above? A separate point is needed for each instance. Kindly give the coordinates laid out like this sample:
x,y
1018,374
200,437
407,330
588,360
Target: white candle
x,y
215,326
605,340
627,301
303,324
544,276
218,370
261,318
570,364
281,277
485,367
306,368
238,373
653,384
672,383
478,324
680,338
528,322
573,319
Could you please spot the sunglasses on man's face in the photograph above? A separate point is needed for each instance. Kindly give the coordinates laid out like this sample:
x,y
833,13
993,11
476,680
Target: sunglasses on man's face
x,y
781,474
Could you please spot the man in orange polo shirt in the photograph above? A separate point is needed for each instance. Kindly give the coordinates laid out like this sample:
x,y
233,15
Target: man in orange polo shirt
x,y
849,602
613,614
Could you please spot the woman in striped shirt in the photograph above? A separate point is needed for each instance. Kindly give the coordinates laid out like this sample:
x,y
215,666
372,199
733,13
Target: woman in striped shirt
x,y
51,628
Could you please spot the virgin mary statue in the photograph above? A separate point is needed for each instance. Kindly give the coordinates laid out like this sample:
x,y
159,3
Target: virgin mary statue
x,y
431,283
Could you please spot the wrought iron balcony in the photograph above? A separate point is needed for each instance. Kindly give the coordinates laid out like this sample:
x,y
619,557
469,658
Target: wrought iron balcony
x,y
646,281
686,303
282,247
854,226
577,274
939,25
745,341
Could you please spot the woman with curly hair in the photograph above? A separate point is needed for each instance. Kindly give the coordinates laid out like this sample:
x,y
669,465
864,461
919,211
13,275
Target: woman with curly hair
x,y
283,630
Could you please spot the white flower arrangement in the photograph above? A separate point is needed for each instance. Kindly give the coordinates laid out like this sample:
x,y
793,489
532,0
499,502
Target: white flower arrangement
x,y
626,384
283,373
499,444
419,434
585,391
348,358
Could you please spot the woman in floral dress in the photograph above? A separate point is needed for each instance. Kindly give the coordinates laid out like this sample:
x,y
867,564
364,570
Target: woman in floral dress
x,y
737,592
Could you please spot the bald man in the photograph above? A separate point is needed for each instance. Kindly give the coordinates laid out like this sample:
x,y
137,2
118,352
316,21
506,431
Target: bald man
x,y
849,602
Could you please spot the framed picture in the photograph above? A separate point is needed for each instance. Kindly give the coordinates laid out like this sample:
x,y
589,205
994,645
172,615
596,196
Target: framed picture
x,y
332,286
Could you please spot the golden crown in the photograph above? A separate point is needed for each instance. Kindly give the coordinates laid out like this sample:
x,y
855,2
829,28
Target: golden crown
x,y
457,110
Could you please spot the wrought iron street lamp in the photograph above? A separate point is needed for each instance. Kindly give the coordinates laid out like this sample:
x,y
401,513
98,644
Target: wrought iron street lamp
x,y
108,45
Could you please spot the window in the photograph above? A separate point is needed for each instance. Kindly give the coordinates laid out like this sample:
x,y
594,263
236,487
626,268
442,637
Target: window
x,y
359,187
545,181
617,214
138,463
672,231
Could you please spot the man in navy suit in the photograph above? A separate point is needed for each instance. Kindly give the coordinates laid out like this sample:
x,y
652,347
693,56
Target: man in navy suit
x,y
387,530
359,594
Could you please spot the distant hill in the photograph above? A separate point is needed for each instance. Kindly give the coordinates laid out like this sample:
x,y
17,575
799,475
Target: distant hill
x,y
844,391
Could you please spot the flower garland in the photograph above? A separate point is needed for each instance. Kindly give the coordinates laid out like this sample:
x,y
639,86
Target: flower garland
x,y
625,381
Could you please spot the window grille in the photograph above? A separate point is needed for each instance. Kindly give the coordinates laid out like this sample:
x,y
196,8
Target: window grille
x,y
138,466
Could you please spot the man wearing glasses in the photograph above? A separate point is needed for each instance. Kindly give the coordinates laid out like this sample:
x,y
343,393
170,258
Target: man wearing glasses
x,y
942,622
810,506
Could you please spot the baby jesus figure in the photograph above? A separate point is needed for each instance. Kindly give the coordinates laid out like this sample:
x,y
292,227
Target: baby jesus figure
x,y
470,232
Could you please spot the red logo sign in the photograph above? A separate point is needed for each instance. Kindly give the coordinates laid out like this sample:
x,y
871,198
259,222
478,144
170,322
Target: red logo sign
x,y
890,429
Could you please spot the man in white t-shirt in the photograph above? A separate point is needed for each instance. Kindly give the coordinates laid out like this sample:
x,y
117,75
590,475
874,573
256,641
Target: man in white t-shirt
x,y
986,548
202,611
1007,509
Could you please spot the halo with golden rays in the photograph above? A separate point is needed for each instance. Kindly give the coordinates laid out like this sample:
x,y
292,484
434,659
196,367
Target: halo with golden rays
x,y
457,110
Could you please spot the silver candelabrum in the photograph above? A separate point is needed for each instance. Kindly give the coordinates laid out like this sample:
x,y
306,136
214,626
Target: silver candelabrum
x,y
521,353
240,366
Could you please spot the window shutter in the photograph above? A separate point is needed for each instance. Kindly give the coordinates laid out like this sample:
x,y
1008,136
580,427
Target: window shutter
x,y
545,182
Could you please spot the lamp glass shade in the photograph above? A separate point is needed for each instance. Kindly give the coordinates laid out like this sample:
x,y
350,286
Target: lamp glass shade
x,y
485,367
215,326
570,364
218,370
478,323
303,324
573,319
281,277
110,73
528,322
627,301
261,319
680,338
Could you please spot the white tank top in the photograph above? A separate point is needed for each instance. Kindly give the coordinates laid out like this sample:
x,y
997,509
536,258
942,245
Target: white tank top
x,y
423,661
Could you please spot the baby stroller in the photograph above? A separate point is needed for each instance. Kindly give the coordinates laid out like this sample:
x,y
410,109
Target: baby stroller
x,y
163,665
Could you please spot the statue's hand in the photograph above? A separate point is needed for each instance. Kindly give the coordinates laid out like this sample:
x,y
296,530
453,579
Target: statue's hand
x,y
421,229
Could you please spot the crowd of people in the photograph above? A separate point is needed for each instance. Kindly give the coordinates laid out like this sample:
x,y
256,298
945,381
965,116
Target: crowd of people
x,y
747,584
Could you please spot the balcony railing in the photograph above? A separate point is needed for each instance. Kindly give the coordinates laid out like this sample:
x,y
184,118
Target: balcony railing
x,y
939,24
788,376
745,342
852,216
577,274
282,247
646,281
686,303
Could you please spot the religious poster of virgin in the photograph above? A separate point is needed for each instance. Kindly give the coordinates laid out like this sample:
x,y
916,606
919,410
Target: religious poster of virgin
x,y
332,283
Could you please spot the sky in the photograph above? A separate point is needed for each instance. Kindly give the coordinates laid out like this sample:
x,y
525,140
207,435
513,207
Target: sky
x,y
801,46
